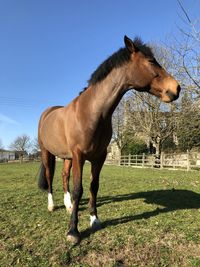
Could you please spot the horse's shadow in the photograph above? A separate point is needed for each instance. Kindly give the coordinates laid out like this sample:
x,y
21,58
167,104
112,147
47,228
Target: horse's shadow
x,y
170,200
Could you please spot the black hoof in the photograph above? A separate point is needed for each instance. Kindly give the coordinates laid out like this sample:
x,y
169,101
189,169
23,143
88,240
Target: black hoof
x,y
96,225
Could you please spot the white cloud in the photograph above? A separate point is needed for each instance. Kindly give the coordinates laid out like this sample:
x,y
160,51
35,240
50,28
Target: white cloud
x,y
5,119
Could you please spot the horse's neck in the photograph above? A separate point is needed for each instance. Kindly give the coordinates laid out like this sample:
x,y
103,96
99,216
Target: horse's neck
x,y
106,95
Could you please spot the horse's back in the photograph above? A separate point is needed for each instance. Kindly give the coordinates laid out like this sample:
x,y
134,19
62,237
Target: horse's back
x,y
43,117
47,112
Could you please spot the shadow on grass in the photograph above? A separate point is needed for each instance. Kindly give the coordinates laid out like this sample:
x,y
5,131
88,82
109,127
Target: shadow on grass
x,y
62,207
171,200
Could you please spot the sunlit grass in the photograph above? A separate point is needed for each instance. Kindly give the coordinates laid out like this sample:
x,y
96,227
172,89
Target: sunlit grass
x,y
149,218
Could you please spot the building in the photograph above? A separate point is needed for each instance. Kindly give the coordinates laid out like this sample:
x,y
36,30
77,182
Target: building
x,y
114,153
6,155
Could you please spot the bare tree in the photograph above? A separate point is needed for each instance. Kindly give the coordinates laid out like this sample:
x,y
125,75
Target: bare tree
x,y
35,145
186,51
154,121
119,124
145,117
21,143
188,130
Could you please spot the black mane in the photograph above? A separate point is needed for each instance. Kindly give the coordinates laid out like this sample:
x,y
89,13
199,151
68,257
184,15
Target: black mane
x,y
116,60
144,48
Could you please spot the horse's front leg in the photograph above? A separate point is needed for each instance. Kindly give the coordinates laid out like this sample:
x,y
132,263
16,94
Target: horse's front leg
x,y
73,234
94,186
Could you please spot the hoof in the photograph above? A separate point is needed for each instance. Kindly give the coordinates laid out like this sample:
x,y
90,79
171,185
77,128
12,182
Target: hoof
x,y
95,223
96,226
69,209
50,208
73,238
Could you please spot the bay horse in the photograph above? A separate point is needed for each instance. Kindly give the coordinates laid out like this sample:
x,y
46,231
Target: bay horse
x,y
82,130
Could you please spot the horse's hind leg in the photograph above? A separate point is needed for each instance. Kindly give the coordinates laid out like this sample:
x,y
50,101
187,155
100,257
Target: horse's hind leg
x,y
66,175
94,186
48,161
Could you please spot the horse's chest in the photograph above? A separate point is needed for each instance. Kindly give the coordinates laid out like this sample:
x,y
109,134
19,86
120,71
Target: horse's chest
x,y
100,139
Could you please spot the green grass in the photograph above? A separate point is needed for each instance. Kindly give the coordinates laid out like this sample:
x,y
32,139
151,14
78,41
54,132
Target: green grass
x,y
149,218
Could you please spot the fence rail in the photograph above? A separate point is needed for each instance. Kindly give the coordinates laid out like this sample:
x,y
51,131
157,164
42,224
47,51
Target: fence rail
x,y
186,161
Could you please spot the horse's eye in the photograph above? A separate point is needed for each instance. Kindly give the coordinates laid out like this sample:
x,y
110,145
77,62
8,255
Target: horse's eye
x,y
152,61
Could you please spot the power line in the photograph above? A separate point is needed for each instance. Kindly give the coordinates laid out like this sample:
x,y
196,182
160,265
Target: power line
x,y
184,11
26,103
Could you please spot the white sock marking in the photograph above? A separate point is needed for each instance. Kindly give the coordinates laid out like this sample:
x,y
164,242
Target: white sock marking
x,y
94,221
50,202
67,201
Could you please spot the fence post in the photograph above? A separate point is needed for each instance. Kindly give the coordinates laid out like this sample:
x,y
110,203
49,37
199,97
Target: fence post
x,y
153,160
161,160
188,160
119,160
129,160
143,160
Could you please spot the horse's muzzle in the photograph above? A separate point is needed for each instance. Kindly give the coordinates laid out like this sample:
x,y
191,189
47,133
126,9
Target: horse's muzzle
x,y
173,96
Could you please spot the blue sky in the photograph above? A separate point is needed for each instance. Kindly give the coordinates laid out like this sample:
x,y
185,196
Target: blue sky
x,y
49,49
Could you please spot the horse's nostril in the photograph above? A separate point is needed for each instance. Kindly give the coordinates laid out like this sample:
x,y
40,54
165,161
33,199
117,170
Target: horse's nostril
x,y
171,95
178,89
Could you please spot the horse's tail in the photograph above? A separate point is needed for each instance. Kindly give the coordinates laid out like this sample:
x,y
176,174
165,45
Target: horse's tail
x,y
42,182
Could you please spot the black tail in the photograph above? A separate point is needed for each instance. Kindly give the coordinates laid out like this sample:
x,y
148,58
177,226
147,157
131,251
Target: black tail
x,y
42,183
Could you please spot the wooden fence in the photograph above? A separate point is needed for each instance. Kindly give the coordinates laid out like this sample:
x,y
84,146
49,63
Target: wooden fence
x,y
186,161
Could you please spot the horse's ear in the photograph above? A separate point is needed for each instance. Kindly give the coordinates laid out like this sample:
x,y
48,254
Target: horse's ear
x,y
130,45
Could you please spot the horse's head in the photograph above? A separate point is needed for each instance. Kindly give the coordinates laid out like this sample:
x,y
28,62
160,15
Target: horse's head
x,y
145,73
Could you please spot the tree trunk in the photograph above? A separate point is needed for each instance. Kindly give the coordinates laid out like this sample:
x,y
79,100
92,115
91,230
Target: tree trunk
x,y
158,148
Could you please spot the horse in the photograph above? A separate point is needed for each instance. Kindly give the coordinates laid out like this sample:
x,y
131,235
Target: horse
x,y
82,130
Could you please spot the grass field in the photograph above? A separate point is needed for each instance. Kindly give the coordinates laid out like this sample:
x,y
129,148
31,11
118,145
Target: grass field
x,y
149,218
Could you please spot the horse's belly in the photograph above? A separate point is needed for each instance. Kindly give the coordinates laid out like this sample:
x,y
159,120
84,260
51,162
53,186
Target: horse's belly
x,y
65,155
59,150
56,145
55,142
